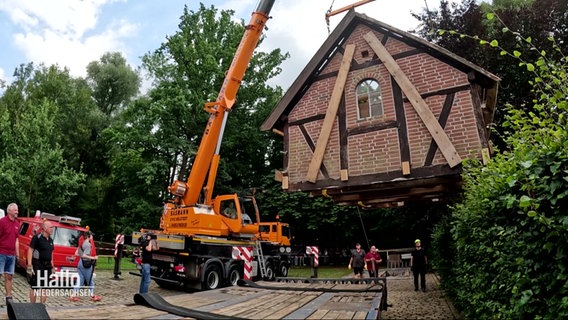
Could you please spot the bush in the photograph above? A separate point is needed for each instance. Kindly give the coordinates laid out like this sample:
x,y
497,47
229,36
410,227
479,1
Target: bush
x,y
508,237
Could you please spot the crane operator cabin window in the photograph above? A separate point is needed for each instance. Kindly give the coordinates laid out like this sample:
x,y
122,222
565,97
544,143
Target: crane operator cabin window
x,y
369,100
229,209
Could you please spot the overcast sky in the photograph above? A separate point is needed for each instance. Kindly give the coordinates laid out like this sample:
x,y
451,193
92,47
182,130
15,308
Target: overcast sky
x,y
72,33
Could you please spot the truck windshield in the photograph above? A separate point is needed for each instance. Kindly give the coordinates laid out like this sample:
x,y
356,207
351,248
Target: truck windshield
x,y
65,237
286,231
248,208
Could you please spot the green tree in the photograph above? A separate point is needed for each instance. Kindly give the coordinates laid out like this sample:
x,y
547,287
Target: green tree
x,y
540,19
34,170
113,82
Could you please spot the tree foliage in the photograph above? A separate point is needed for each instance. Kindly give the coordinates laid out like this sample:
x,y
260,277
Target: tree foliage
x,y
34,171
113,82
509,235
539,19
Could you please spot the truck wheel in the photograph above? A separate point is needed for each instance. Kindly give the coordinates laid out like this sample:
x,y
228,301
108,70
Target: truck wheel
x,y
270,275
283,270
212,278
234,275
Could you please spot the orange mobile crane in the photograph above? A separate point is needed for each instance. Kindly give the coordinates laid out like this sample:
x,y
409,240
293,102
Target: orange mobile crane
x,y
197,240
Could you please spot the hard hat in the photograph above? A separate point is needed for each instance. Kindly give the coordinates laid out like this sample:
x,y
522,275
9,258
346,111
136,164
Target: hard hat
x,y
417,240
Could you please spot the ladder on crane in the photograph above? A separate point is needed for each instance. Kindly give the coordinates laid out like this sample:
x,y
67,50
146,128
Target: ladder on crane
x,y
261,262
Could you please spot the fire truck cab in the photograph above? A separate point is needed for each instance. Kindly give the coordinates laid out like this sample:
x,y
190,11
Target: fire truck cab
x,y
66,233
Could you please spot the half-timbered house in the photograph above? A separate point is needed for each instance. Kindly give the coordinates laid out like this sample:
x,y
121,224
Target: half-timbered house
x,y
380,117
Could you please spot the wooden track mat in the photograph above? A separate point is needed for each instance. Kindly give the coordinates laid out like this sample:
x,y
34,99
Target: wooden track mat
x,y
248,303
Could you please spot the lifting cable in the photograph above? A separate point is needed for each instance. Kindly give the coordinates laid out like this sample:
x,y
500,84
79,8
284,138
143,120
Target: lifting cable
x,y
327,17
364,231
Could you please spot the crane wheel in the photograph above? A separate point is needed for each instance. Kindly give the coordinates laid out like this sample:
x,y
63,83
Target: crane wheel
x,y
234,275
212,279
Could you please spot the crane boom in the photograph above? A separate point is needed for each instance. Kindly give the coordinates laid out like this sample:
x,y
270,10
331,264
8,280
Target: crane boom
x,y
203,240
189,192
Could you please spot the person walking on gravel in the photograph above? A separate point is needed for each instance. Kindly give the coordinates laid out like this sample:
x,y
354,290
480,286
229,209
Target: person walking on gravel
x,y
9,247
373,258
357,261
87,254
418,264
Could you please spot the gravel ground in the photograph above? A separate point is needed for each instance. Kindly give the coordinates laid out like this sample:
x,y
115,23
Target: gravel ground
x,y
112,291
409,304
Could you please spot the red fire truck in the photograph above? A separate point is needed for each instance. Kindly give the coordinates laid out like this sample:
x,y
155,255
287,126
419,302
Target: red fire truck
x,y
66,233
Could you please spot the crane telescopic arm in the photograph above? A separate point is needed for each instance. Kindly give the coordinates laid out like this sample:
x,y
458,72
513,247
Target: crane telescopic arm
x,y
207,155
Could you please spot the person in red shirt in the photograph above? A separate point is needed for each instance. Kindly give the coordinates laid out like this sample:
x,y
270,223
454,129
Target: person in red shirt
x,y
373,258
9,247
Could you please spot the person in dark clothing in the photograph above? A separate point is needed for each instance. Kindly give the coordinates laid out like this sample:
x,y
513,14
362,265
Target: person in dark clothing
x,y
357,261
40,262
418,264
148,244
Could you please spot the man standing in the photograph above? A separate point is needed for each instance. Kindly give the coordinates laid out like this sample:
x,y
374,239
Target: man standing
x,y
9,247
373,258
418,263
148,244
40,262
357,261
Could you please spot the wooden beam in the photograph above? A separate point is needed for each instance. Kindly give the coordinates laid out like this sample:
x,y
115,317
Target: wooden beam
x,y
405,168
485,155
425,114
330,115
278,175
278,132
285,182
344,175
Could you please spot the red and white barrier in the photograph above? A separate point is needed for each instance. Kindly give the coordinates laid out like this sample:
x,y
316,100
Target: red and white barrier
x,y
313,250
244,253
118,240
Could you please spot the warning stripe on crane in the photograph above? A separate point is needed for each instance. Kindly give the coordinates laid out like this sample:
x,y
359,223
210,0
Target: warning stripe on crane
x,y
244,253
313,250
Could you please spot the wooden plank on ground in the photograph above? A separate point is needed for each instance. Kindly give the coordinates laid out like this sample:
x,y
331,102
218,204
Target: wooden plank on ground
x,y
284,307
311,307
425,114
319,314
330,114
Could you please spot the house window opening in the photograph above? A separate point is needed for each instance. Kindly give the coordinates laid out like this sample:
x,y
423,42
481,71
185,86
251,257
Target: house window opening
x,y
369,99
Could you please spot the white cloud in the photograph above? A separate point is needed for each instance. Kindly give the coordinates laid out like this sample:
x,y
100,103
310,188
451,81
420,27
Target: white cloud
x,y
65,32
71,33
63,16
2,75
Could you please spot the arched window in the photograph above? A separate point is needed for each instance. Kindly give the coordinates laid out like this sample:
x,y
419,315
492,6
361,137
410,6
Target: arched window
x,y
369,99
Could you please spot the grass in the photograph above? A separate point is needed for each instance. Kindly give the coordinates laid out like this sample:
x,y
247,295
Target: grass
x,y
107,263
323,272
